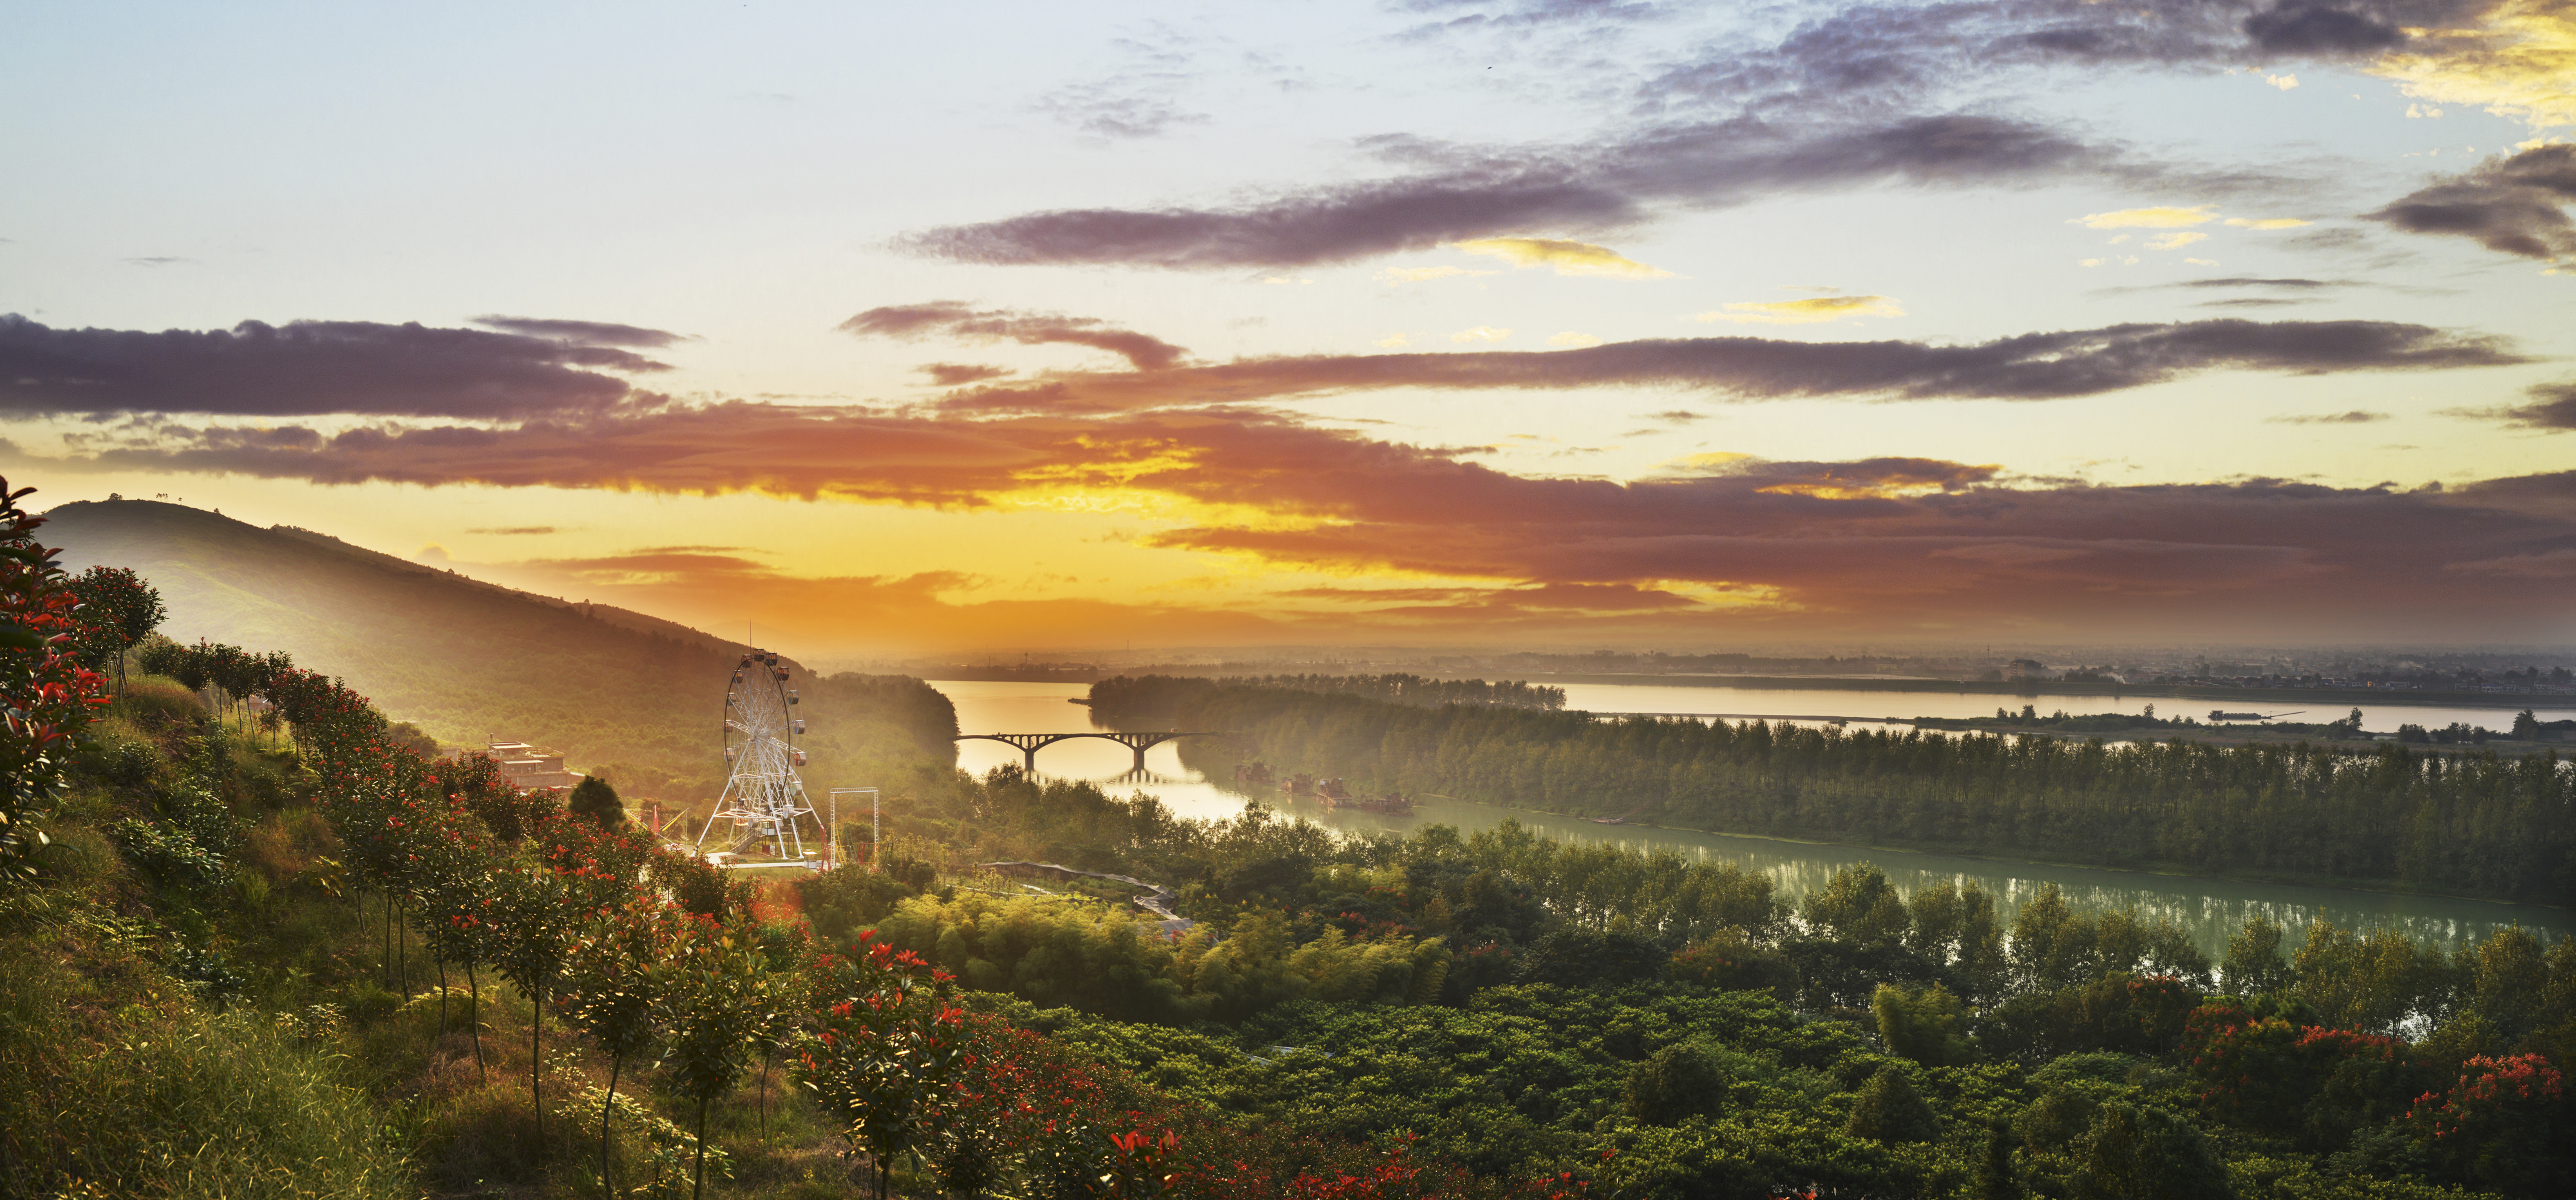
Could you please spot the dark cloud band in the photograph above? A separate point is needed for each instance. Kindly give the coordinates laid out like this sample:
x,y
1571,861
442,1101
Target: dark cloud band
x,y
586,333
951,318
1870,541
2035,366
305,368
2513,205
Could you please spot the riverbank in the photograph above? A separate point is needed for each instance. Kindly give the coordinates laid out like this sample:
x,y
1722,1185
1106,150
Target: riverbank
x,y
2214,906
2031,688
1973,853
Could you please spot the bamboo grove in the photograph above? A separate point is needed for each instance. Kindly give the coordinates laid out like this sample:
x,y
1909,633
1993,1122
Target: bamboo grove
x,y
2465,824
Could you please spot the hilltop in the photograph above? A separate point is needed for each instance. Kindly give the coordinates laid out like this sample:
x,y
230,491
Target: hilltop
x,y
463,659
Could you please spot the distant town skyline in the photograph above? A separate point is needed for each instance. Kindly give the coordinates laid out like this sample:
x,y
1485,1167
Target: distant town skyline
x,y
1425,323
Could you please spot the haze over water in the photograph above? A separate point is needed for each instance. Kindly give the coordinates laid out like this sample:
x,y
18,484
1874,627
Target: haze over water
x,y
2212,908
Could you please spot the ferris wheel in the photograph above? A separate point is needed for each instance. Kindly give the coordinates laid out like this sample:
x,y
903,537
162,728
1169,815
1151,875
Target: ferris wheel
x,y
764,797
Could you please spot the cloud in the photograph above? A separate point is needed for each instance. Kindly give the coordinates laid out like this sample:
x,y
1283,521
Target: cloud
x,y
946,374
2511,58
2148,218
2552,408
2551,564
305,368
1849,98
1481,333
1505,193
157,260
2283,82
2238,281
1870,544
514,530
1676,416
951,318
2319,30
1805,312
2354,417
1393,341
1568,258
1102,112
1571,338
2175,241
2035,366
2266,222
583,333
2510,205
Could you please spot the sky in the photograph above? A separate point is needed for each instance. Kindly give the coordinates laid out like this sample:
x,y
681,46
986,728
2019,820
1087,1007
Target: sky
x,y
888,332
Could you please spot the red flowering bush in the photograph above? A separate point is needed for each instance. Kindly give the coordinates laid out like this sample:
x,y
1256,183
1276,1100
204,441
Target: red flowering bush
x,y
46,694
2275,1075
2504,1124
885,1047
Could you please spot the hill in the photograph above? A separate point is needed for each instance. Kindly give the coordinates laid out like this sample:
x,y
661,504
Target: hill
x,y
465,660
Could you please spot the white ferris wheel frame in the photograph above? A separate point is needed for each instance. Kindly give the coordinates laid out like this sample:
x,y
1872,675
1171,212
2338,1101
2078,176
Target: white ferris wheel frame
x,y
764,794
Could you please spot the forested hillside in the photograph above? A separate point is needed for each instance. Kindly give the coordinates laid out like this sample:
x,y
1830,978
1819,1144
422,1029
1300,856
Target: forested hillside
x,y
465,660
2477,825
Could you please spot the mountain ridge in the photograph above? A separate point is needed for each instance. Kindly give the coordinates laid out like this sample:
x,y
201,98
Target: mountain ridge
x,y
466,660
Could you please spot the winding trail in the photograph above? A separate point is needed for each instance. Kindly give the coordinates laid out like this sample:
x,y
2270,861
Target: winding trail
x,y
1162,903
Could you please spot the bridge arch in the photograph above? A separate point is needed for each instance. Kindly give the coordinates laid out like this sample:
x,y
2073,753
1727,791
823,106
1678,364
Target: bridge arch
x,y
1029,744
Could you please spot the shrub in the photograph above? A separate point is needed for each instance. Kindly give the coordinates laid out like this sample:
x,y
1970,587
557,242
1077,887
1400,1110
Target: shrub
x,y
2135,1153
1927,1025
1890,1110
1681,1080
2504,1124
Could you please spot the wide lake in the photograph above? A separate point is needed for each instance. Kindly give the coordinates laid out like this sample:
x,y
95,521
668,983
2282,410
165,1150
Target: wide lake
x,y
2212,908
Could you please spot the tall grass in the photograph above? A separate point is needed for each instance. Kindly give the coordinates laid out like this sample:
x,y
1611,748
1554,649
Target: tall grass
x,y
171,1102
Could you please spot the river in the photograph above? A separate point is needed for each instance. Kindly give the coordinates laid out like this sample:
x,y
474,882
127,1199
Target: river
x,y
2212,908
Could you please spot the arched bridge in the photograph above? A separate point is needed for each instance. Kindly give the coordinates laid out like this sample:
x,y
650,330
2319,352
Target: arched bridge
x,y
1030,743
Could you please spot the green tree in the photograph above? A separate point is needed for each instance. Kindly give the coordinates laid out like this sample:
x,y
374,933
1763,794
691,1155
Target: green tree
x,y
1939,918
117,611
1928,1025
1983,969
1993,1179
1890,1110
1857,905
612,995
595,799
2145,1153
712,992
2052,944
534,914
1681,1080
2254,965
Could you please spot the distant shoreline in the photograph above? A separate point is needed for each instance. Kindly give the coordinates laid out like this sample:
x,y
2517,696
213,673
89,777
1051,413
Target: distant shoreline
x,y
2050,687
2364,697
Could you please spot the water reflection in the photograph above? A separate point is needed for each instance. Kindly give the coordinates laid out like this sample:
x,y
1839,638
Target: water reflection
x,y
2213,909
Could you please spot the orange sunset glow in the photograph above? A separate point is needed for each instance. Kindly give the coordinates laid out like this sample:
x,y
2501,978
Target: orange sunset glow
x,y
1432,324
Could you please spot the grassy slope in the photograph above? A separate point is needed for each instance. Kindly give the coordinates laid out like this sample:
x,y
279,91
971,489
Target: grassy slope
x,y
465,659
